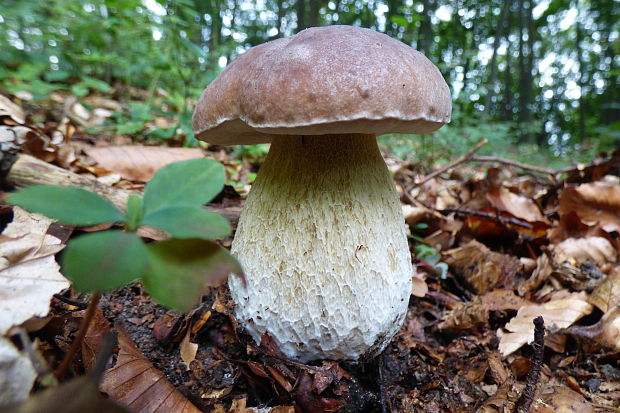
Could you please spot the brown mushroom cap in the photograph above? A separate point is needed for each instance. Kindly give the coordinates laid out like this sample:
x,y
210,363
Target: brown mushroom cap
x,y
323,80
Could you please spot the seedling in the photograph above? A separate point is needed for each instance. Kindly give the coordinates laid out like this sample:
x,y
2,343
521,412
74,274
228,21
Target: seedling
x,y
175,271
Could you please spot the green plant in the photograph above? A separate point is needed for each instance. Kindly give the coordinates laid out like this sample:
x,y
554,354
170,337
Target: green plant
x,y
430,257
173,271
427,255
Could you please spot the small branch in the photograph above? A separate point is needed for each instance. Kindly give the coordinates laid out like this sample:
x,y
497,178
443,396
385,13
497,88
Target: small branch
x,y
496,216
79,304
452,164
527,397
513,163
381,380
79,337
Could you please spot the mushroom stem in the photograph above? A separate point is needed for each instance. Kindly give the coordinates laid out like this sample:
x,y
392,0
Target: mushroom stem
x,y
323,245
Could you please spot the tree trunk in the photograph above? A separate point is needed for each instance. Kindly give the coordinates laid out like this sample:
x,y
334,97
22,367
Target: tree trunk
x,y
425,32
301,15
507,103
581,121
498,36
525,69
313,17
281,13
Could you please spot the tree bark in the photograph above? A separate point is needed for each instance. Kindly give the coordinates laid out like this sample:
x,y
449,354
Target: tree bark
x,y
498,36
301,15
313,16
581,121
507,99
425,32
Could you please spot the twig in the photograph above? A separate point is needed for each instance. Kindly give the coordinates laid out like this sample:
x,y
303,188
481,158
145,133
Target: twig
x,y
507,220
79,337
79,304
513,163
527,397
451,165
381,380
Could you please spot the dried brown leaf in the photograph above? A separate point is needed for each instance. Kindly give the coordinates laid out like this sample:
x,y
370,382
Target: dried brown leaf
x,y
29,273
188,350
558,313
135,383
607,295
466,316
139,163
482,268
604,334
576,251
596,202
560,399
12,110
93,340
519,206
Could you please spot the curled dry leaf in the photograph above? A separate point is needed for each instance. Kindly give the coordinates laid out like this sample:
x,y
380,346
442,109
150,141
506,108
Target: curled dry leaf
x,y
188,350
604,334
239,406
482,268
17,374
576,251
558,313
419,287
466,316
607,295
519,206
596,202
11,110
476,312
503,401
139,163
135,383
560,399
29,274
93,340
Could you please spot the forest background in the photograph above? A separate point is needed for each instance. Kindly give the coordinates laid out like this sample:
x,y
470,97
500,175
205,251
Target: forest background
x,y
538,79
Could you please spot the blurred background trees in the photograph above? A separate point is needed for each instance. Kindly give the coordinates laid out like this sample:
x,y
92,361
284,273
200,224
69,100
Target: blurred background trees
x,y
535,77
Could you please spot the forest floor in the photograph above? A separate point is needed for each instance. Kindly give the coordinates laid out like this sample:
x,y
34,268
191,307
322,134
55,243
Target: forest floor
x,y
495,245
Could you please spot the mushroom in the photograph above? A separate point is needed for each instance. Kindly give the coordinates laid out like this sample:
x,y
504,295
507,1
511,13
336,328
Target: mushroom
x,y
322,238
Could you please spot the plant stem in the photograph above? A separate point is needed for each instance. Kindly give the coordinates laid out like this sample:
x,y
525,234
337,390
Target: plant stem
x,y
79,337
527,397
451,165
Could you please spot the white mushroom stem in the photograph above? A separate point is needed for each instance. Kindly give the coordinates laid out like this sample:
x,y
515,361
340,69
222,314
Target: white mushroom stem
x,y
322,242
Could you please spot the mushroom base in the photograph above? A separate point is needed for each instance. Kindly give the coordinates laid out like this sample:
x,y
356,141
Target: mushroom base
x,y
323,245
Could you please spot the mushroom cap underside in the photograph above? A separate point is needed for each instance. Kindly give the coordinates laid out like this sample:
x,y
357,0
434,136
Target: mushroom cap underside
x,y
323,80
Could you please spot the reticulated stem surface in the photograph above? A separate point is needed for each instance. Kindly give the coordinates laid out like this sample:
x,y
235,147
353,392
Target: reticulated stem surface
x,y
322,242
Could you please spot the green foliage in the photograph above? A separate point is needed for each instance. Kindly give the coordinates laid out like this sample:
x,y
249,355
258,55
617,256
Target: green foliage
x,y
180,269
104,260
173,271
188,222
187,183
69,204
566,106
431,257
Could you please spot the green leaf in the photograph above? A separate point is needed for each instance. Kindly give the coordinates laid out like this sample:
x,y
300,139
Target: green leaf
x,y
179,270
129,128
105,260
96,84
189,222
134,212
399,20
67,204
185,183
